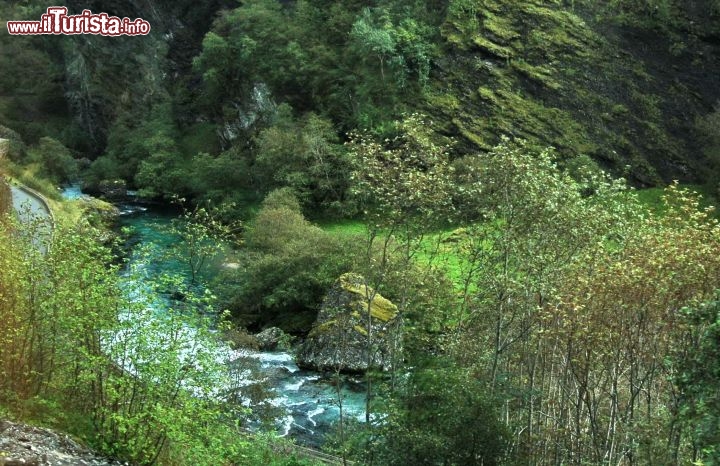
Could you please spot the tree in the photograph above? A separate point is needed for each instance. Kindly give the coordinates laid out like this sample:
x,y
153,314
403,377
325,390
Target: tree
x,y
305,156
576,288
376,36
697,375
202,236
443,416
619,322
536,221
403,190
55,161
286,267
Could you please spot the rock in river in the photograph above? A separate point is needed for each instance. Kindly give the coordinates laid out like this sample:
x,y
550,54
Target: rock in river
x,y
269,338
339,337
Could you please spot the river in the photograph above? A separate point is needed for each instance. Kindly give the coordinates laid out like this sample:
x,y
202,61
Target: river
x,y
304,403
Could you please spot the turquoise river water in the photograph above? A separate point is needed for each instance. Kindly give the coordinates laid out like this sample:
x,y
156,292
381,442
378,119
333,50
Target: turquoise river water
x,y
303,404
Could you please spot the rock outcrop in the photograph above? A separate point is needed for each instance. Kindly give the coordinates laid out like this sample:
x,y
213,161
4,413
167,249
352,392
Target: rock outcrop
x,y
21,444
113,189
339,337
269,338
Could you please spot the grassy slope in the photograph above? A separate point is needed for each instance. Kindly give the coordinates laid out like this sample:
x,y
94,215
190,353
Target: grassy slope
x,y
440,248
539,71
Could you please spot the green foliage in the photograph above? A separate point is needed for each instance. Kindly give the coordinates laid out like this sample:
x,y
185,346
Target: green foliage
x,y
5,197
31,86
706,129
697,377
55,161
537,222
14,149
144,150
79,344
202,236
351,64
443,416
659,14
569,280
286,268
404,183
305,156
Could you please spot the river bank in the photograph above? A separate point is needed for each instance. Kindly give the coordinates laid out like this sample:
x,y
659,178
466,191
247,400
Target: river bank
x,y
298,404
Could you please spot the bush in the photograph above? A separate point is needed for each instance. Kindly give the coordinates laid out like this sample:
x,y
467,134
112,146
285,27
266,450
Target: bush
x,y
55,160
288,265
443,416
131,377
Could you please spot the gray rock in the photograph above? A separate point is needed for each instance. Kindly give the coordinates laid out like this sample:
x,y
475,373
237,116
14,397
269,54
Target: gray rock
x,y
21,444
269,338
113,189
339,337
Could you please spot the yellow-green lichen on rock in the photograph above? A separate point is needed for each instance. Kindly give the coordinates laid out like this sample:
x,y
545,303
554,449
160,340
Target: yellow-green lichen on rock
x,y
346,336
556,76
380,307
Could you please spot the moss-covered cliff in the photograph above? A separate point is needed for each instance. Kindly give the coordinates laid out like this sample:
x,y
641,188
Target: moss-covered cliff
x,y
583,78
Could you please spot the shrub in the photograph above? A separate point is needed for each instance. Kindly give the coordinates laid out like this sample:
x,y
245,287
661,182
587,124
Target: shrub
x,y
288,265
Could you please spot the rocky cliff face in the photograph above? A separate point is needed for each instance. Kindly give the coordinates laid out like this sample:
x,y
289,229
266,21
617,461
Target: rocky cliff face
x,y
625,92
21,444
341,338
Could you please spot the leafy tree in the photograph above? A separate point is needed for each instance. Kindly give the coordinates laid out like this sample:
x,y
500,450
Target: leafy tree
x,y
576,291
225,179
286,268
55,160
536,221
697,377
143,150
376,36
305,156
403,190
706,129
621,324
202,237
354,73
443,416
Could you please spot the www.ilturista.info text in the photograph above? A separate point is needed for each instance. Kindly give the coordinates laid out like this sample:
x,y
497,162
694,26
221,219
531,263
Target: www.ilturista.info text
x,y
57,21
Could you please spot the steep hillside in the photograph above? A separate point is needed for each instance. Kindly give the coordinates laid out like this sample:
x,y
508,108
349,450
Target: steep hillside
x,y
622,82
623,91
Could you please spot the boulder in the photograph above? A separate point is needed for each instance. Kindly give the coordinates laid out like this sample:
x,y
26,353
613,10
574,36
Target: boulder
x,y
113,189
269,338
339,337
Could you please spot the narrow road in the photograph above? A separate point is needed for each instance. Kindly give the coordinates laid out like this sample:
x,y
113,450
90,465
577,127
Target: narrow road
x,y
28,206
33,211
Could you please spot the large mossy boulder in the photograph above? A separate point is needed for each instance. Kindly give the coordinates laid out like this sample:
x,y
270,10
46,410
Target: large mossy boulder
x,y
113,190
270,338
340,339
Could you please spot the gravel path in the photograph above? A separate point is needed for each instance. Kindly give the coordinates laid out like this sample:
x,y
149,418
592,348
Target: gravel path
x,y
21,444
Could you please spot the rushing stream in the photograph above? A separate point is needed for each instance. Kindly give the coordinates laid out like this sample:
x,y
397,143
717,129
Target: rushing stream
x,y
305,403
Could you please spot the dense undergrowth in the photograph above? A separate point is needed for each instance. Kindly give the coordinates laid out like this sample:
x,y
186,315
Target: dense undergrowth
x,y
550,313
